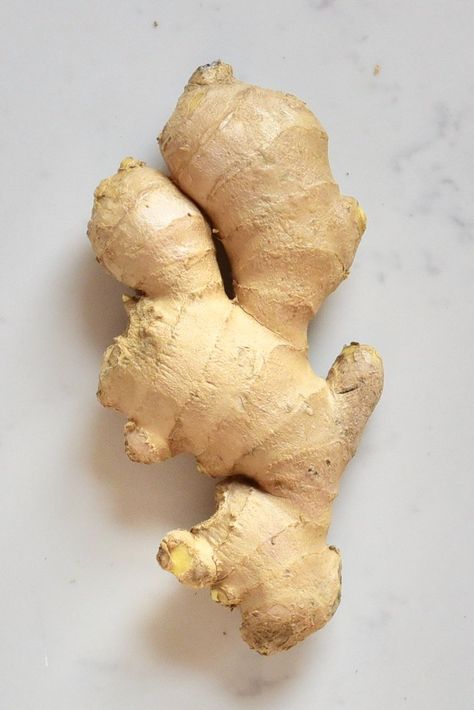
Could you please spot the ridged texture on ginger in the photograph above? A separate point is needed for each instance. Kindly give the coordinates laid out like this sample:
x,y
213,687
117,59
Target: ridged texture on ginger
x,y
256,161
229,380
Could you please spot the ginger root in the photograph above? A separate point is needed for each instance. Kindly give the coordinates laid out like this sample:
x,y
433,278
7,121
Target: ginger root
x,y
229,380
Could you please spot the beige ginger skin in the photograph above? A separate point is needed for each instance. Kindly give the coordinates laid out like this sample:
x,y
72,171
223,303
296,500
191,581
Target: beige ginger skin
x,y
229,380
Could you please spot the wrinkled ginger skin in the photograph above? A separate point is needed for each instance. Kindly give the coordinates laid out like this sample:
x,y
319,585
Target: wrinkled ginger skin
x,y
229,380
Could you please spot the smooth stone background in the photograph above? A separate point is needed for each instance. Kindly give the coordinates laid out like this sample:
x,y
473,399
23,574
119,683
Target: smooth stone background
x,y
88,620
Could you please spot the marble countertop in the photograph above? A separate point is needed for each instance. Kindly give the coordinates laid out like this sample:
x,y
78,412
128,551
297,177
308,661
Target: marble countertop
x,y
89,621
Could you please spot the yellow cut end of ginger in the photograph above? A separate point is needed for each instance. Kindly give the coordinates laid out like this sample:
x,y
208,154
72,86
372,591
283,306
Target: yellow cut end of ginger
x,y
219,596
181,560
361,219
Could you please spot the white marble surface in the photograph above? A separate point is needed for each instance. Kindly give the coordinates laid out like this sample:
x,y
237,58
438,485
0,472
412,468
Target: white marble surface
x,y
89,621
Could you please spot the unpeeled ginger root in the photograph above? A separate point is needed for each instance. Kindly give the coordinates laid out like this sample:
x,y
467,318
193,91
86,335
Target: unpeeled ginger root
x,y
229,380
